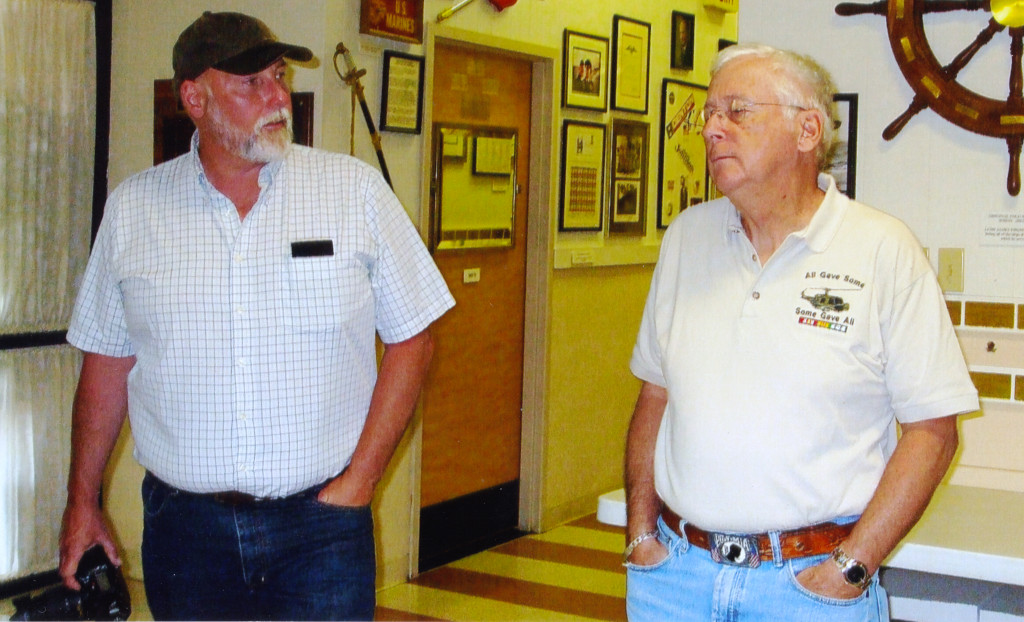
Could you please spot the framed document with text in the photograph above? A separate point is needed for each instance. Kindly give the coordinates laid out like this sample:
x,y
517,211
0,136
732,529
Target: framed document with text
x,y
401,98
631,55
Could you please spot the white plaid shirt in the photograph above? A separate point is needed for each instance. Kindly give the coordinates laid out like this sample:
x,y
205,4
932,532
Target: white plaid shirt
x,y
255,356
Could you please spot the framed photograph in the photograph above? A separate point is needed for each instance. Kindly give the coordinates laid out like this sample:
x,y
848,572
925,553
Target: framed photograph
x,y
582,200
682,161
844,155
631,56
683,31
584,71
627,203
401,98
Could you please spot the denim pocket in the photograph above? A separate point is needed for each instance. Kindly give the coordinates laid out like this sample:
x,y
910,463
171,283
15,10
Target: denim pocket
x,y
155,495
651,567
796,568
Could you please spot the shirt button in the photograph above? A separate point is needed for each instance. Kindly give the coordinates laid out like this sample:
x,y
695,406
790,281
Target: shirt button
x,y
238,258
756,295
243,417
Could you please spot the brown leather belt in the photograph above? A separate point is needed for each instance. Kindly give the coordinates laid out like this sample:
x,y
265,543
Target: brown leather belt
x,y
233,497
814,540
236,498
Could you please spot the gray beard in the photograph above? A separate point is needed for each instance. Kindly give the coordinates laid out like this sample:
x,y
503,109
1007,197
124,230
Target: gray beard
x,y
258,145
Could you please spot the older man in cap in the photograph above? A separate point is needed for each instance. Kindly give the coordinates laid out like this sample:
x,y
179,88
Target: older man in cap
x,y
230,309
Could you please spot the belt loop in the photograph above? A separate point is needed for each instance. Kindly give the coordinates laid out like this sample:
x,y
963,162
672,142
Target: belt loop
x,y
776,549
684,540
673,531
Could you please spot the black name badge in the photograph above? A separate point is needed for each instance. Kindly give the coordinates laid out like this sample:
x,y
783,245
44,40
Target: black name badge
x,y
313,248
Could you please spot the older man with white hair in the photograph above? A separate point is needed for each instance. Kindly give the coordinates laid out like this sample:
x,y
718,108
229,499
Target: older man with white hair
x,y
787,332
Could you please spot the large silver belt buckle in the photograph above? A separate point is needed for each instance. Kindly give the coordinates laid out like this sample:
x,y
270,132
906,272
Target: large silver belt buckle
x,y
734,550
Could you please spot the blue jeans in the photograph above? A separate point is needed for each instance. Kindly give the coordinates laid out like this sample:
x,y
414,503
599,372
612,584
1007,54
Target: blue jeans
x,y
689,586
294,558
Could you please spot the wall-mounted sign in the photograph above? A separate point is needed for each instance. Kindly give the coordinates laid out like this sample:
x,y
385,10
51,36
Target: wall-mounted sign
x,y
394,19
729,6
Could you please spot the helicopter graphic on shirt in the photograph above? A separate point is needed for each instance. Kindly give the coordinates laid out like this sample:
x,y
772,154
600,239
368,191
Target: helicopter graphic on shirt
x,y
824,301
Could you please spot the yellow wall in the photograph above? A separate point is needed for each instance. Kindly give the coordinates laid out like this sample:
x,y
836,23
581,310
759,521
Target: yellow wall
x,y
595,316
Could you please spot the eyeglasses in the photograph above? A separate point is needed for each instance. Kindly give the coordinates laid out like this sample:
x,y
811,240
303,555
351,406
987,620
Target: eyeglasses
x,y
738,110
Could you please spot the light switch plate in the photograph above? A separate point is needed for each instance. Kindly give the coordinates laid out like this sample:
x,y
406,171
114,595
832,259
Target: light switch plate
x,y
951,269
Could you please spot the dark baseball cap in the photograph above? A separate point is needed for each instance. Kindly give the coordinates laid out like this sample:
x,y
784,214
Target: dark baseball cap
x,y
231,42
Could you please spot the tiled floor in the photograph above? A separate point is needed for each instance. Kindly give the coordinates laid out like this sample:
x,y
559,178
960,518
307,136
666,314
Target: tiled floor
x,y
571,573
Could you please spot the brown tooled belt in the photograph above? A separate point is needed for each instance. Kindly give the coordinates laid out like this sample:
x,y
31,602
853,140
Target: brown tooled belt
x,y
814,540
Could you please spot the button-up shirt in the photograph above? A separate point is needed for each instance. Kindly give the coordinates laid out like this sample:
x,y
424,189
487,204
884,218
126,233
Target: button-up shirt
x,y
255,338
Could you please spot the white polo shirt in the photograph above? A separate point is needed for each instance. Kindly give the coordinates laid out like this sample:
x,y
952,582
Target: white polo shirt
x,y
255,338
784,381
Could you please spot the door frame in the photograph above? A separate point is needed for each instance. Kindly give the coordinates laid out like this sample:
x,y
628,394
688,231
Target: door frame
x,y
539,259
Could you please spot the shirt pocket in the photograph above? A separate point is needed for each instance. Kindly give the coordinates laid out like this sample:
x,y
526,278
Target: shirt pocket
x,y
326,292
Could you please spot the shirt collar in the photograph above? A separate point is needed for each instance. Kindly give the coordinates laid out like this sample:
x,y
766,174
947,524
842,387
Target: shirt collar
x,y
824,225
826,221
267,173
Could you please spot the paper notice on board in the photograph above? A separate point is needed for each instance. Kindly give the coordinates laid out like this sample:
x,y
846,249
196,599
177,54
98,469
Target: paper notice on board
x,y
1004,230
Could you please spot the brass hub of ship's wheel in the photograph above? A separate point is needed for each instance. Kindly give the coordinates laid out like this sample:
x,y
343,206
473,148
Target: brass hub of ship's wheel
x,y
935,86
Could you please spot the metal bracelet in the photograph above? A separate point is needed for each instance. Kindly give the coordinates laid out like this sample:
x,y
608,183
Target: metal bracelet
x,y
647,535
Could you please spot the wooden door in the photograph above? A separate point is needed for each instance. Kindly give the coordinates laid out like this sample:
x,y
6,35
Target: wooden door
x,y
472,401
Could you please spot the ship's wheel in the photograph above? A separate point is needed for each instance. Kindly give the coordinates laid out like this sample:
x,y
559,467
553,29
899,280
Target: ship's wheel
x,y
936,87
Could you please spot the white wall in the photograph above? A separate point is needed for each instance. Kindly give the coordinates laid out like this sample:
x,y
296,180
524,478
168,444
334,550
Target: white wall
x,y
941,180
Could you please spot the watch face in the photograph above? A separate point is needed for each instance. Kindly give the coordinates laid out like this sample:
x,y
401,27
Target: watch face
x,y
856,574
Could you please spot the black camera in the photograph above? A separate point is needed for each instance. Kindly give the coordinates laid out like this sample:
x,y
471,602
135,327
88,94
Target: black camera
x,y
104,594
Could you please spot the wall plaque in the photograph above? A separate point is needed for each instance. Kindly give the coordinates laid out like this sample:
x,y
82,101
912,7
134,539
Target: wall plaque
x,y
394,19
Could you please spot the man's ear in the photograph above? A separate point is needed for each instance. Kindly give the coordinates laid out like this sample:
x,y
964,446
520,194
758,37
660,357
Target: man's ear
x,y
193,98
812,124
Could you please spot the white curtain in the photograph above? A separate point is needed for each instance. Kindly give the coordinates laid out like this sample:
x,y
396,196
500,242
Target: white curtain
x,y
47,128
37,387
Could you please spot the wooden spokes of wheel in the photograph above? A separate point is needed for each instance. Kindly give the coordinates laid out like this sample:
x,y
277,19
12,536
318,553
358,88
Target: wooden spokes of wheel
x,y
935,86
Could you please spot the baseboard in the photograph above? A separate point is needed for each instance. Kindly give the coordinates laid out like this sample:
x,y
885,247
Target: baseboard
x,y
469,524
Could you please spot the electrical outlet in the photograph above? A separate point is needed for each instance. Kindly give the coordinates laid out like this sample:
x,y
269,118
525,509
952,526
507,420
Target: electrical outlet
x,y
471,275
951,269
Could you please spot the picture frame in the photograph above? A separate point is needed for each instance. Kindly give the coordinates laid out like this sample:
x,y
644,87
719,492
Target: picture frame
x,y
631,57
583,176
682,160
401,20
401,99
843,166
584,71
683,37
627,200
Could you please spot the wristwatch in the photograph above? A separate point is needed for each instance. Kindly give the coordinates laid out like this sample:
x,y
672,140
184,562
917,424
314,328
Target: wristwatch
x,y
854,571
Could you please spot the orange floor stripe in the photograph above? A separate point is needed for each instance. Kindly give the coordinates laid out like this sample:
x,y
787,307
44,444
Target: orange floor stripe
x,y
591,522
563,553
536,595
383,613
